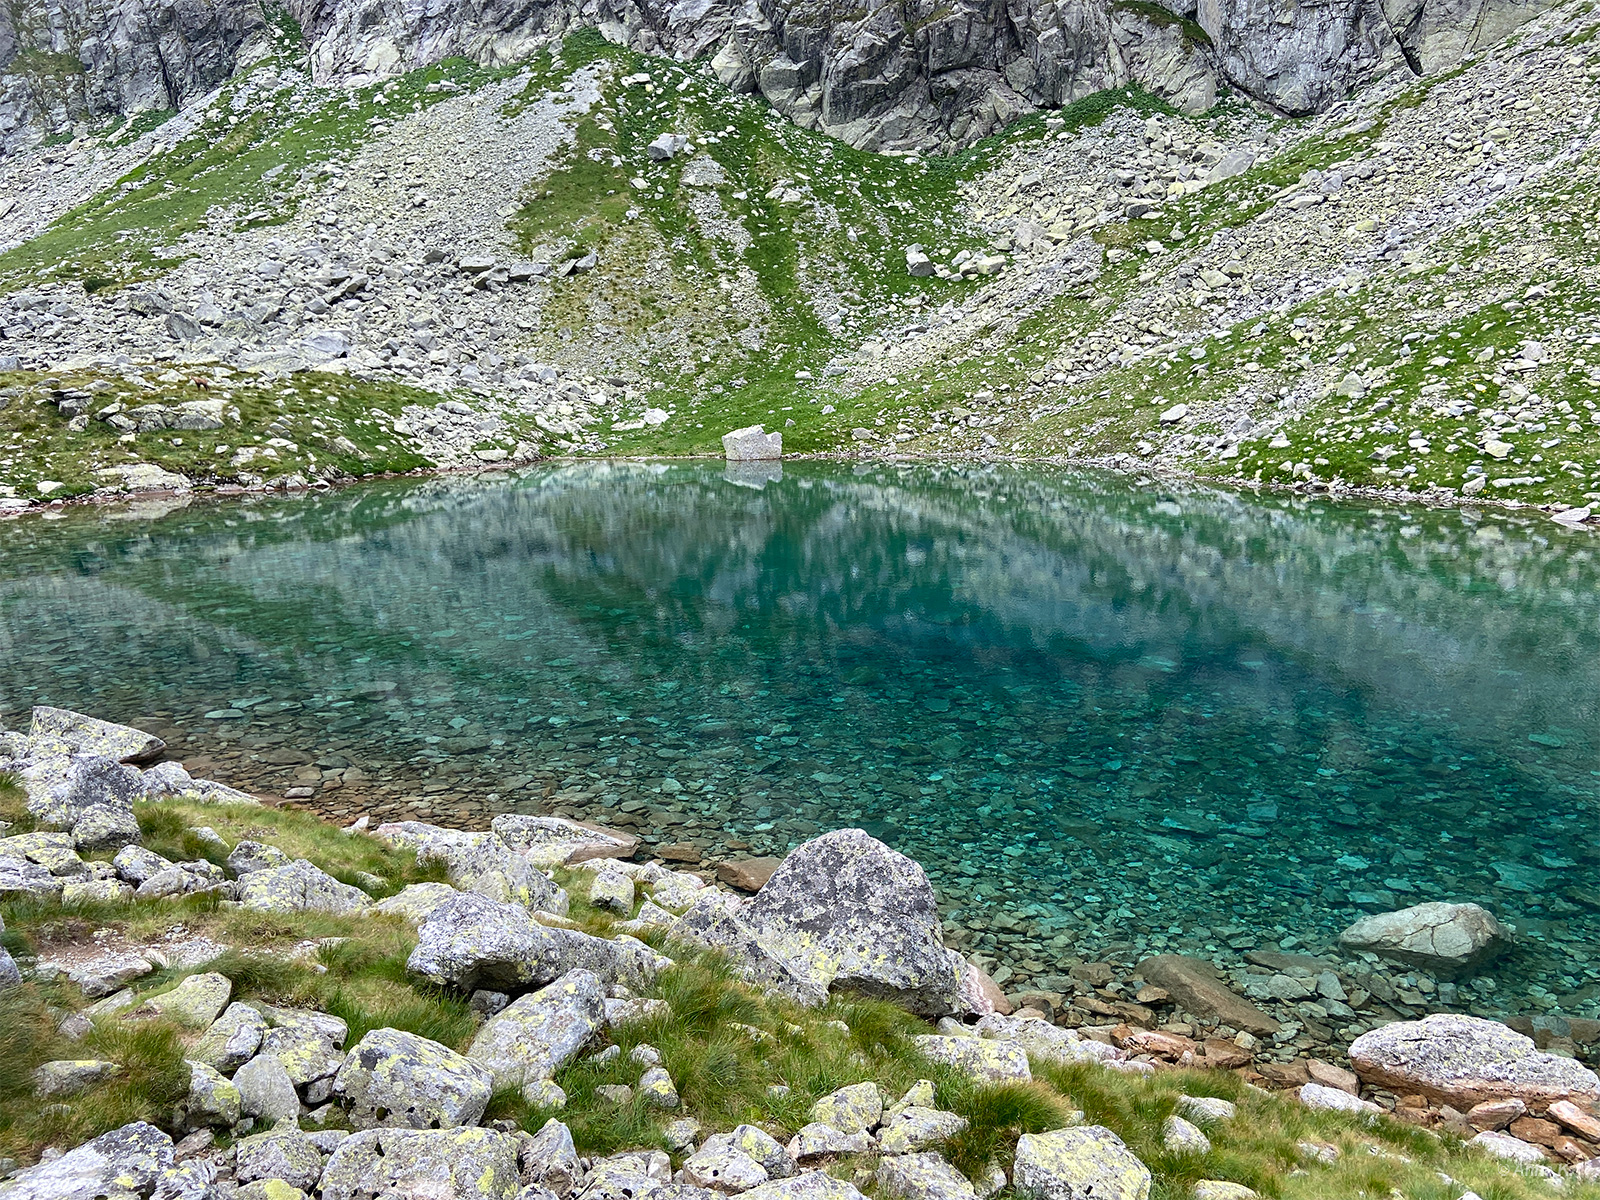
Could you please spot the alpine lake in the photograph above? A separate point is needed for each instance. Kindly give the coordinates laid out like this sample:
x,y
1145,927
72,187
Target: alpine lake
x,y
1111,716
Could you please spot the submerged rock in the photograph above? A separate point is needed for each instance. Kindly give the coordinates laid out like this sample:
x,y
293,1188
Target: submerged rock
x,y
1447,940
1195,984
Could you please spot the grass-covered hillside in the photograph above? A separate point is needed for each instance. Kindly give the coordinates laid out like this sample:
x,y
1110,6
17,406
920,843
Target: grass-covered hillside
x,y
1397,294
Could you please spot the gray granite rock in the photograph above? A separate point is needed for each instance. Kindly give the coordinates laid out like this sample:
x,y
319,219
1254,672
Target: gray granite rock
x,y
468,1163
126,1162
401,1080
1447,940
480,863
538,1034
299,887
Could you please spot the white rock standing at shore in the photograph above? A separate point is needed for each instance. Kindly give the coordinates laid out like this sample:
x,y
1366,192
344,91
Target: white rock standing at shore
x,y
1445,939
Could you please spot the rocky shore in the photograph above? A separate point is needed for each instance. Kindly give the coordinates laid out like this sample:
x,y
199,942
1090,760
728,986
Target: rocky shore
x,y
557,948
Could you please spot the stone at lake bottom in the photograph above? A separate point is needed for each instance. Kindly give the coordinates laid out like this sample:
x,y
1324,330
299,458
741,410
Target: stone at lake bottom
x,y
539,1033
402,1080
1075,1164
921,1177
747,874
469,1163
1463,1061
1446,940
752,444
126,1162
1196,986
978,1058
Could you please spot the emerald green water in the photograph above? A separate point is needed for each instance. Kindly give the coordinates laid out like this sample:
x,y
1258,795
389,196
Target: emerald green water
x,y
1108,717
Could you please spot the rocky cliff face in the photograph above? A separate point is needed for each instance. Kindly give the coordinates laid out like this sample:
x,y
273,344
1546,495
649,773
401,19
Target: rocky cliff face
x,y
923,74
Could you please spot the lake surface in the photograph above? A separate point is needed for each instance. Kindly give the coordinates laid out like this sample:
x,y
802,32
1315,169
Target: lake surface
x,y
1109,716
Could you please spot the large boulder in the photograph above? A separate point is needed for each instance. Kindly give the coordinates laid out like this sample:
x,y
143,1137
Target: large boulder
x,y
468,1163
979,1059
282,1153
10,976
78,734
471,943
299,887
848,914
921,1177
196,1001
1446,940
1077,1164
400,1080
715,922
266,1092
416,901
536,1035
1197,987
1463,1061
811,1185
556,841
123,1163
478,862
59,787
105,827
752,444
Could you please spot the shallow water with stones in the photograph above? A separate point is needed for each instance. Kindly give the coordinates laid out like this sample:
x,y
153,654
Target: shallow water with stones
x,y
1108,716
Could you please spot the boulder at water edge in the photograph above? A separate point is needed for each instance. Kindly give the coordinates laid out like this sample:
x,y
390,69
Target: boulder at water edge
x,y
849,914
556,841
78,734
1445,939
752,444
1463,1061
60,787
481,863
1078,1164
400,1080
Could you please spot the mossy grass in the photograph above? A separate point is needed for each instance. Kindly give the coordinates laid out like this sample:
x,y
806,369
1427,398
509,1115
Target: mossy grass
x,y
725,1044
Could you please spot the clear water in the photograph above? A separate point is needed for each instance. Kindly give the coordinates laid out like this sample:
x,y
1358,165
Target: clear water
x,y
1108,716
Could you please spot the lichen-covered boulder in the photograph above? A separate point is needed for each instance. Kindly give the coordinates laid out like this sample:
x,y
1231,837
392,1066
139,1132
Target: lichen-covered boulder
x,y
76,733
550,1160
1077,1164
266,1092
82,891
68,1077
658,1090
713,920
468,1163
915,1129
299,887
60,786
1447,940
852,915
126,1162
214,1099
10,976
472,943
922,1177
55,852
232,1040
135,864
761,1146
723,1168
400,1080
538,1034
416,902
978,1058
195,1002
1044,1040
307,1043
854,1109
22,877
105,827
612,891
248,857
556,841
283,1153
817,1141
1463,1061
812,1185
480,863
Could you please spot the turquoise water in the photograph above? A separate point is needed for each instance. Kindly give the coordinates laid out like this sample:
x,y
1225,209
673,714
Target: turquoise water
x,y
1109,716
